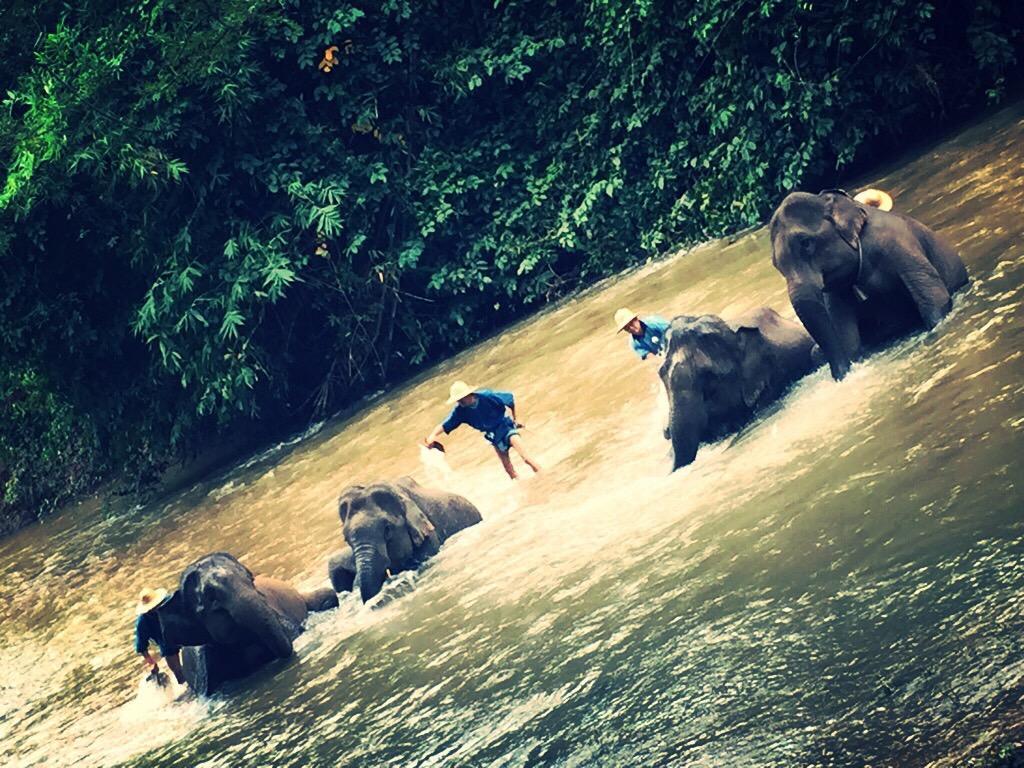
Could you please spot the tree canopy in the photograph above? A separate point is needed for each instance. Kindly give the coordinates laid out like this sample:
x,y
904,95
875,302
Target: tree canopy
x,y
214,214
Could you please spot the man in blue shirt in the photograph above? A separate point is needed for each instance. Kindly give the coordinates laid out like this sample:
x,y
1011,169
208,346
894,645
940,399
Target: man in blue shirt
x,y
494,414
147,628
647,334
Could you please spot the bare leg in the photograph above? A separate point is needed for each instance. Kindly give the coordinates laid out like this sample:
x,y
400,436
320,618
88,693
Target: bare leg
x,y
506,462
516,442
174,664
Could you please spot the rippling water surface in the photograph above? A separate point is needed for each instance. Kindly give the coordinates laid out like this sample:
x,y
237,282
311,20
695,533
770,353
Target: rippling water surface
x,y
839,585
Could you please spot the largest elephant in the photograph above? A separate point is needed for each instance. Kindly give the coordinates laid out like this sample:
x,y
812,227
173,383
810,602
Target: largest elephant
x,y
718,375
391,527
859,276
231,622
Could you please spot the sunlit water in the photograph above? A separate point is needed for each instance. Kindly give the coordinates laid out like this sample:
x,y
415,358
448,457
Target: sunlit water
x,y
839,585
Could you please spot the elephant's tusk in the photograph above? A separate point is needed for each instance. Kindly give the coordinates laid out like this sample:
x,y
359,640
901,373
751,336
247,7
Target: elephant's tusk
x,y
387,572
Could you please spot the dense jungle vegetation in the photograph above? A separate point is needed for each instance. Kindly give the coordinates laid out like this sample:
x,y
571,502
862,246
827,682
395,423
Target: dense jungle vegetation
x,y
216,216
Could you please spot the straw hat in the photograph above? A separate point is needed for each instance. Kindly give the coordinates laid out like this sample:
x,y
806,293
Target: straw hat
x,y
149,599
624,317
459,390
876,198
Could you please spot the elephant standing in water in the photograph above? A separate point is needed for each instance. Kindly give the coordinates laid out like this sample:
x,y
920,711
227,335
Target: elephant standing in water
x,y
859,276
717,375
393,526
231,622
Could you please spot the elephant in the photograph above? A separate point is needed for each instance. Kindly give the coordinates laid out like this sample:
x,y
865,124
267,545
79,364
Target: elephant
x,y
718,375
392,527
858,276
231,622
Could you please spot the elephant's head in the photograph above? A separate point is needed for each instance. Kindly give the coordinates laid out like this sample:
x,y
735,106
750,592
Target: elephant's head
x,y
703,378
217,602
816,245
384,528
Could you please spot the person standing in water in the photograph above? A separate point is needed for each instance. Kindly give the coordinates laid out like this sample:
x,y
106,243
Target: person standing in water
x,y
147,629
494,414
647,334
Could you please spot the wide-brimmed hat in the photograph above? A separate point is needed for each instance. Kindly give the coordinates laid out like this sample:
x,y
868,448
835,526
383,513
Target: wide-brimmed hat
x,y
876,198
624,317
149,599
459,390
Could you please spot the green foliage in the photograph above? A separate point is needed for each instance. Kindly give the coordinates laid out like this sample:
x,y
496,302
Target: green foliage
x,y
38,428
213,213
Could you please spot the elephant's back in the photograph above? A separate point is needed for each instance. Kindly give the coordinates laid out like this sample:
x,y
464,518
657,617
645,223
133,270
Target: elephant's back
x,y
449,512
465,512
455,514
282,597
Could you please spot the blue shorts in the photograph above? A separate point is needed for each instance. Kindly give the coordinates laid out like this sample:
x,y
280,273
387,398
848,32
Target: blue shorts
x,y
501,437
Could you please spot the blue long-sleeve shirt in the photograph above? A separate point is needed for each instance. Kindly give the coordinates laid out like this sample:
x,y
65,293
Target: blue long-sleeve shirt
x,y
487,415
651,341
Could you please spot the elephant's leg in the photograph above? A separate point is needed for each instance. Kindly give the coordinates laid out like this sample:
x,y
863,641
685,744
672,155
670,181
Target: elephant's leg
x,y
196,669
842,309
341,569
943,256
321,599
924,284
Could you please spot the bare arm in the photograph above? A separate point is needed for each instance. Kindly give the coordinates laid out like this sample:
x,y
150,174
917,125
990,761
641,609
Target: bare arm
x,y
433,436
510,405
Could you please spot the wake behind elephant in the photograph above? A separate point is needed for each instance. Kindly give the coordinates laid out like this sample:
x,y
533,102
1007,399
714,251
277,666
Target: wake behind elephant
x,y
718,375
860,276
392,527
231,622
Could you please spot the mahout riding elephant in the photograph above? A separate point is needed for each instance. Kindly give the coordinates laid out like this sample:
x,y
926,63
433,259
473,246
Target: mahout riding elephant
x,y
391,527
717,374
231,622
859,276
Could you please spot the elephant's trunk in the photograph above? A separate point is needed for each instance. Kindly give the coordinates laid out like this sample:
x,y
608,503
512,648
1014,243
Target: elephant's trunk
x,y
687,420
809,303
371,565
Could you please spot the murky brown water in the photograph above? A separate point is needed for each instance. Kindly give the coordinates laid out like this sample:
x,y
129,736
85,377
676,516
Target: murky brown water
x,y
842,585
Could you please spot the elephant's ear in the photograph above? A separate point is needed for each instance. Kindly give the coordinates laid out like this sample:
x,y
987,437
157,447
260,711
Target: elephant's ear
x,y
420,528
345,501
847,216
398,504
188,590
756,364
179,624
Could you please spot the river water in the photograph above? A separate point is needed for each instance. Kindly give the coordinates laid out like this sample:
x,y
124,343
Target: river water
x,y
839,585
